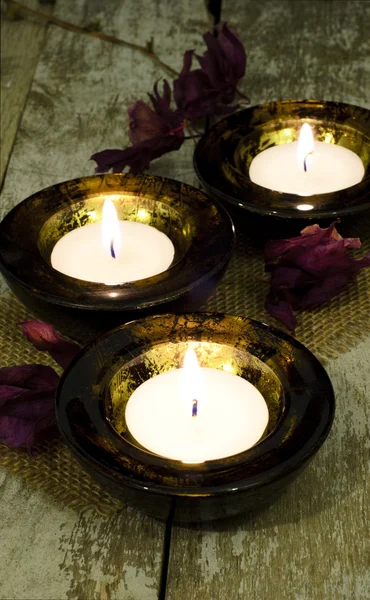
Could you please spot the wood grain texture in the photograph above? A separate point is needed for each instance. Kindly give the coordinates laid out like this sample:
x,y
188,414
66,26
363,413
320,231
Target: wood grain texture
x,y
21,43
313,544
77,106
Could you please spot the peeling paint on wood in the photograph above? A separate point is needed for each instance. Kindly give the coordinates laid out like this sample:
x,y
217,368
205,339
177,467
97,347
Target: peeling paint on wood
x,y
21,44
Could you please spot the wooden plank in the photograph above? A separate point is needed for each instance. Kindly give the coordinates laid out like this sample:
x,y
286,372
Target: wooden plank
x,y
76,107
311,544
21,43
49,553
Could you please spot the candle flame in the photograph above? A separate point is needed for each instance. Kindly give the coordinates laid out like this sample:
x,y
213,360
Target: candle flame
x,y
111,234
305,145
192,382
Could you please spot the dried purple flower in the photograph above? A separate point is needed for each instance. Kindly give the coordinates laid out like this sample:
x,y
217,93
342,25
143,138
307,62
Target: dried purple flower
x,y
197,93
194,93
152,133
27,392
224,62
309,270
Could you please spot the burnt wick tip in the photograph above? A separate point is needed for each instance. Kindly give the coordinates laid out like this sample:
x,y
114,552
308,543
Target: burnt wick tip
x,y
194,410
305,161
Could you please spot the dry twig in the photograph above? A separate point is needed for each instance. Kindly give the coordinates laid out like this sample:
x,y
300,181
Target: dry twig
x,y
147,50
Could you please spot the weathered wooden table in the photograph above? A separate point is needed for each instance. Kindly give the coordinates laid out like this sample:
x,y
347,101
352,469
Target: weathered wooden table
x,y
64,97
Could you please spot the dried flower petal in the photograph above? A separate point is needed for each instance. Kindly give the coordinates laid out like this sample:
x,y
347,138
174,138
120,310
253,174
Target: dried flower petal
x,y
281,310
137,157
44,337
113,158
26,403
29,405
26,427
26,377
206,91
152,133
27,392
224,62
309,270
310,237
145,123
194,94
172,119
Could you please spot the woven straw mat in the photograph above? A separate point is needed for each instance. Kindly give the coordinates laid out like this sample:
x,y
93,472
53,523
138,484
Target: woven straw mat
x,y
327,331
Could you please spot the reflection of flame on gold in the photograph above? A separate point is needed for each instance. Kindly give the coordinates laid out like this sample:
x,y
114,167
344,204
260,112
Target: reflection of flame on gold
x,y
193,386
144,215
305,145
288,137
305,207
111,234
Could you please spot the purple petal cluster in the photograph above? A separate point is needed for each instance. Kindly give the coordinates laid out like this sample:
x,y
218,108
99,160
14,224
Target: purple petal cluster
x,y
27,392
309,270
152,132
209,90
224,62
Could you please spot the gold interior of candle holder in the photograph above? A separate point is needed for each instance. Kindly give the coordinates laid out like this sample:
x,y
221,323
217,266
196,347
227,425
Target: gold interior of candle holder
x,y
168,356
130,207
277,132
224,154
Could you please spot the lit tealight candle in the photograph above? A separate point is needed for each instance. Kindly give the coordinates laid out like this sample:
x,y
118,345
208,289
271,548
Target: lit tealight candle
x,y
112,251
196,413
306,167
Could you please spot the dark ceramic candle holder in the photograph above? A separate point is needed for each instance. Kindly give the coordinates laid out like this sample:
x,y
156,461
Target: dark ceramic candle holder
x,y
94,391
200,230
223,156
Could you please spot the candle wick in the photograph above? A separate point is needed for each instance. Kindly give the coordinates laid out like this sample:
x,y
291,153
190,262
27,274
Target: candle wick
x,y
194,410
112,252
305,161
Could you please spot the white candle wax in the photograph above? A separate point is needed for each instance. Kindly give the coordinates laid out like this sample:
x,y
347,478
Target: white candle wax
x,y
329,168
232,415
144,252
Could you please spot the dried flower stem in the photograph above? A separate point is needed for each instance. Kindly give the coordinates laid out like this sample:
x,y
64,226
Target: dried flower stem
x,y
97,34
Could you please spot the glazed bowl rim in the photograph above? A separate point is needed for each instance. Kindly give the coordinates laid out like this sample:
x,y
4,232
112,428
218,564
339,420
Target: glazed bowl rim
x,y
302,455
128,299
288,213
